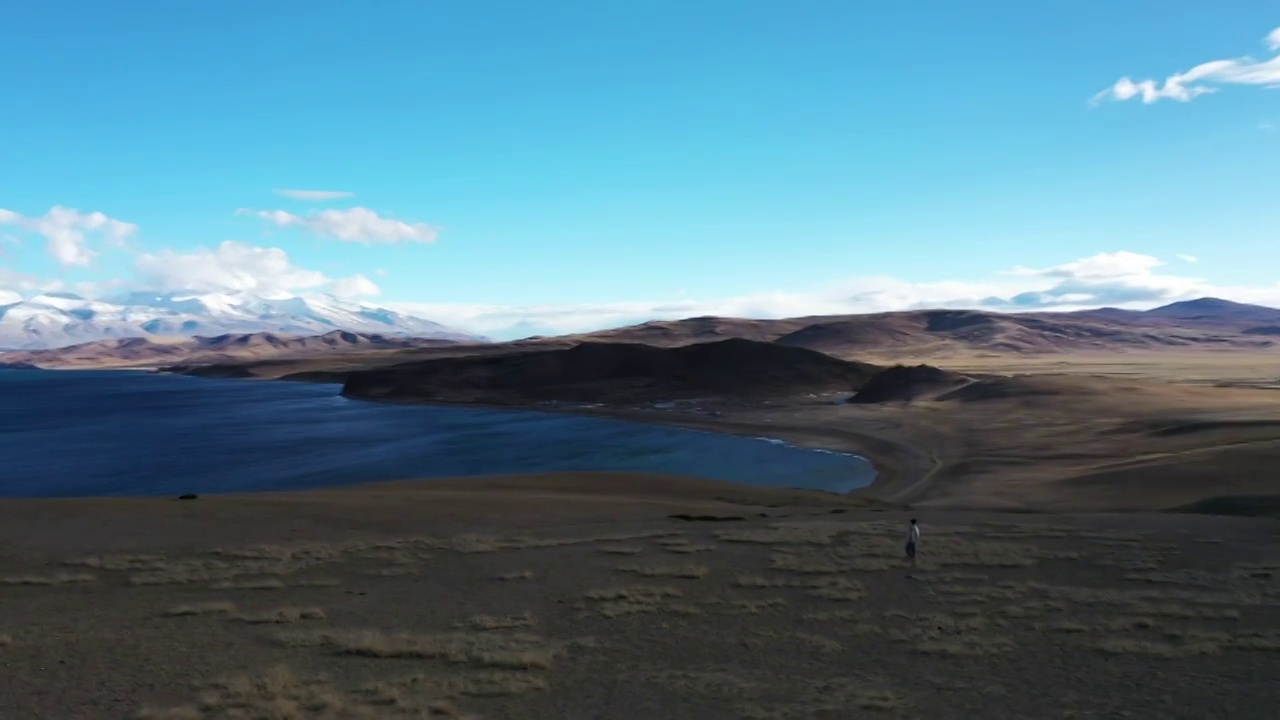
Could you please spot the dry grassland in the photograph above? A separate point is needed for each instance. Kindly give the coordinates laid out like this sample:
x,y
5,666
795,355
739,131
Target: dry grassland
x,y
807,616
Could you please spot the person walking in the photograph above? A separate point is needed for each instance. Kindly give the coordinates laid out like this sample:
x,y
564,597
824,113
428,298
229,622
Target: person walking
x,y
913,541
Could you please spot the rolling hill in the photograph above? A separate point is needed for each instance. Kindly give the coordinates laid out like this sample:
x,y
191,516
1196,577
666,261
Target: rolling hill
x,y
226,348
614,372
1204,323
888,337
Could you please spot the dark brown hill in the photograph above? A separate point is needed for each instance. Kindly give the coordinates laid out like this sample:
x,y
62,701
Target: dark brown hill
x,y
902,383
670,333
942,331
1205,323
615,373
1218,311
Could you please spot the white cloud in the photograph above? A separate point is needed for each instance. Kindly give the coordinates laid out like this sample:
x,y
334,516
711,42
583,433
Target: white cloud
x,y
65,231
1201,79
1189,258
314,195
354,287
14,282
230,267
1104,265
1121,279
356,224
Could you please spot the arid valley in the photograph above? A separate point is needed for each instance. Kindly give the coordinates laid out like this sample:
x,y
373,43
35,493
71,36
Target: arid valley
x,y
1099,539
663,360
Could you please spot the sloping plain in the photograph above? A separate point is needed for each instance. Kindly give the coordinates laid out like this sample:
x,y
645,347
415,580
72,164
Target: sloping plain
x,y
602,596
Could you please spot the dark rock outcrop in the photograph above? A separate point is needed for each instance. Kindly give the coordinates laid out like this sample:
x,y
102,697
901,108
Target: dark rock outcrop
x,y
903,383
615,372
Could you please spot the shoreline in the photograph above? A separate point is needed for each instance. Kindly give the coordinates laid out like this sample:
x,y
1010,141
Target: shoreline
x,y
867,472
900,470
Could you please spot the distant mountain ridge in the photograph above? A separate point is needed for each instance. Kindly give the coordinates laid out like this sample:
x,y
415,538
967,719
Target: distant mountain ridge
x,y
1197,324
230,347
59,319
1206,322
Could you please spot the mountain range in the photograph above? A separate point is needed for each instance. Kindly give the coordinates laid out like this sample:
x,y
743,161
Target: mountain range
x,y
1202,323
56,320
935,334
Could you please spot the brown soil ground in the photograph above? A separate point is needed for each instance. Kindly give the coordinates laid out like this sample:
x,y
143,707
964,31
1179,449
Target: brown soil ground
x,y
579,597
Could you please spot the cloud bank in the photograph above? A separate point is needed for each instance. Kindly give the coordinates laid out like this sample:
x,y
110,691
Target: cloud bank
x,y
237,267
1202,79
1118,279
66,232
358,224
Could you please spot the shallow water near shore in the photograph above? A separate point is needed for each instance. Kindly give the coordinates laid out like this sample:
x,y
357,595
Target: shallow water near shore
x,y
83,433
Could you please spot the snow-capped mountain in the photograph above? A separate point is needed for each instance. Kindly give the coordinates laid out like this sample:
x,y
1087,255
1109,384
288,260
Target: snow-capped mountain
x,y
58,319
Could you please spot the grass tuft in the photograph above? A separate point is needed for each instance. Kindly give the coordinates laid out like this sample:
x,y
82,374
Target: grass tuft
x,y
282,615
687,572
492,622
475,649
62,578
204,608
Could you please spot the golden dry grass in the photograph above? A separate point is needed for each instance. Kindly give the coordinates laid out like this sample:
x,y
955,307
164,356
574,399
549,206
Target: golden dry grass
x,y
392,571
498,622
621,549
400,691
61,578
279,694
797,613
752,696
636,593
820,643
481,543
260,583
794,534
119,562
518,651
314,582
202,608
1133,646
640,600
1269,642
689,549
683,545
826,587
755,607
684,572
281,615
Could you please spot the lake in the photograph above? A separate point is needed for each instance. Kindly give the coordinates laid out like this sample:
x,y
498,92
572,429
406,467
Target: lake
x,y
81,433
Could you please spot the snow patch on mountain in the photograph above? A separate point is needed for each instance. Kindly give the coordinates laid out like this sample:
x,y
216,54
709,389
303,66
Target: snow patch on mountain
x,y
58,319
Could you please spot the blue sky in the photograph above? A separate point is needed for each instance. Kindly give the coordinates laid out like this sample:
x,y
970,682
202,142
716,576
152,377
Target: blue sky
x,y
555,166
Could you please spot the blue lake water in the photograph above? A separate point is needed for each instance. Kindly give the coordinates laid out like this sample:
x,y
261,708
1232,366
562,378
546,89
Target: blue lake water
x,y
125,433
